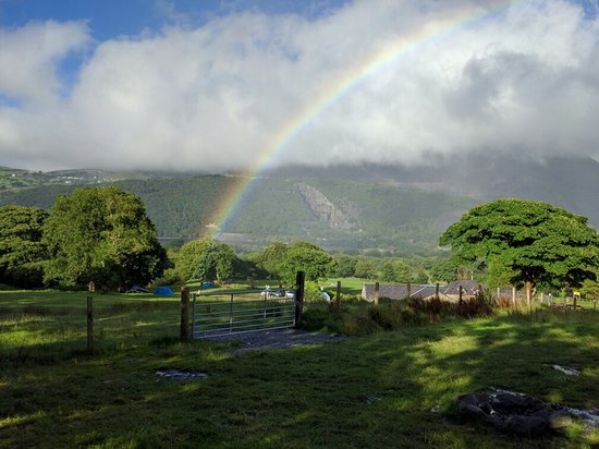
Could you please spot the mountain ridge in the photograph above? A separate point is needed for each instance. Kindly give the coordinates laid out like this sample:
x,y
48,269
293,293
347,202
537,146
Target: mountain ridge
x,y
346,208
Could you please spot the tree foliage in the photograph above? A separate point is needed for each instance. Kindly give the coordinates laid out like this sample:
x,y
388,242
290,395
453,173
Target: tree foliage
x,y
530,241
21,249
590,289
396,271
283,261
101,235
206,260
444,270
345,266
272,259
365,268
306,257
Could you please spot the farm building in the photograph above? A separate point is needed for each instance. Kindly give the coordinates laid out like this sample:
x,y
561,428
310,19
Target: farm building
x,y
449,292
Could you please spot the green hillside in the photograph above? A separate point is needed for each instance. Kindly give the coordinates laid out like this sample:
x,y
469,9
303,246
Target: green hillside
x,y
177,206
385,217
382,217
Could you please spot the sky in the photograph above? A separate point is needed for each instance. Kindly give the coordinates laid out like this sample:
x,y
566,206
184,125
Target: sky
x,y
229,85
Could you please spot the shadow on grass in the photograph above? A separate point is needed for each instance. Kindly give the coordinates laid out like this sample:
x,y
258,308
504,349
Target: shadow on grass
x,y
369,392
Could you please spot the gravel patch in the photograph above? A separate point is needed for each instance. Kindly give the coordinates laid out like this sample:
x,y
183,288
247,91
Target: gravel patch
x,y
176,374
276,339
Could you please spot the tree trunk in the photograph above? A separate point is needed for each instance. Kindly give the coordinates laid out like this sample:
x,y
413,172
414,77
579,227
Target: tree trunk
x,y
528,286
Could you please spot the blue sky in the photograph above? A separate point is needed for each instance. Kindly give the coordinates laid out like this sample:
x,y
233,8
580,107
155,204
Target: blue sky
x,y
113,18
109,19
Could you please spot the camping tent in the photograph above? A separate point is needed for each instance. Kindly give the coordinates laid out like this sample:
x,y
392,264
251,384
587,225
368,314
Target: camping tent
x,y
163,291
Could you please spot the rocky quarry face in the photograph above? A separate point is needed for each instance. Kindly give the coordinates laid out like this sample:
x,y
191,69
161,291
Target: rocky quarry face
x,y
521,414
324,209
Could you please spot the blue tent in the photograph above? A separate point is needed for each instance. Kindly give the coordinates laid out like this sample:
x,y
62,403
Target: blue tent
x,y
164,291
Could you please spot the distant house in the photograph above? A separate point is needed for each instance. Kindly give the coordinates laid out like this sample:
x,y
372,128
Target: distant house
x,y
449,292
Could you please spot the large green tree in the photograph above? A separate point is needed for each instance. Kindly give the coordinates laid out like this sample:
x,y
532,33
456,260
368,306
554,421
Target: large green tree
x,y
21,250
306,257
444,270
206,260
395,270
272,259
365,268
529,242
345,266
101,235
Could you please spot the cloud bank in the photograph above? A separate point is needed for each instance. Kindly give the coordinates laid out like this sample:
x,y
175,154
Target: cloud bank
x,y
522,79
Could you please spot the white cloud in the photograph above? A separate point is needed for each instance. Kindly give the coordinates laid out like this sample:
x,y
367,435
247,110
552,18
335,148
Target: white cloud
x,y
215,97
29,58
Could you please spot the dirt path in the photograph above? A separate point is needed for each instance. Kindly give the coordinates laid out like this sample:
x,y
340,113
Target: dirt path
x,y
277,339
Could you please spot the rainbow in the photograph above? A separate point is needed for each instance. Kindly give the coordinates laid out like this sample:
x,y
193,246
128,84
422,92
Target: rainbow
x,y
244,183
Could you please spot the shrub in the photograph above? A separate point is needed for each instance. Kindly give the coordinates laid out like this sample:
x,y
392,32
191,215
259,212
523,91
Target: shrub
x,y
363,318
474,307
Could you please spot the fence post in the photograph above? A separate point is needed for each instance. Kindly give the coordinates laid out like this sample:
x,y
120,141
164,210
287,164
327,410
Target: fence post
x,y
90,318
437,291
513,296
377,292
299,297
338,295
184,332
409,290
231,314
461,290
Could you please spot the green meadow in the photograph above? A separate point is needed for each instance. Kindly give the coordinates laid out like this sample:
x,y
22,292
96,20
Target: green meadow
x,y
388,389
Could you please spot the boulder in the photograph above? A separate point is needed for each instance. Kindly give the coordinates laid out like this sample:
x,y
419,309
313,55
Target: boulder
x,y
513,412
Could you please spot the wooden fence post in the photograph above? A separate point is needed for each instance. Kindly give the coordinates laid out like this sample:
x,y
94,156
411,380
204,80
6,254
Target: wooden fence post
x,y
338,295
513,296
437,291
91,287
461,295
184,331
377,292
300,279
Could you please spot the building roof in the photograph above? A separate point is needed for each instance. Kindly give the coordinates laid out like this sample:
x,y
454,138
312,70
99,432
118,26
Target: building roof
x,y
400,291
469,287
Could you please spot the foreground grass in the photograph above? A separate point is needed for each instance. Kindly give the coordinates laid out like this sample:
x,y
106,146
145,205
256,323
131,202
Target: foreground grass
x,y
369,392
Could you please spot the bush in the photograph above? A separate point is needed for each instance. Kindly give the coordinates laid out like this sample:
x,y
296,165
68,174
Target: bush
x,y
474,307
363,319
320,319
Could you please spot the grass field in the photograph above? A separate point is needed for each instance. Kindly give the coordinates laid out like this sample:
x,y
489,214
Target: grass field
x,y
367,392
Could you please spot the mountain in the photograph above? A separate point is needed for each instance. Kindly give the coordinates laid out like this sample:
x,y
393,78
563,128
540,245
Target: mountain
x,y
335,213
371,207
571,183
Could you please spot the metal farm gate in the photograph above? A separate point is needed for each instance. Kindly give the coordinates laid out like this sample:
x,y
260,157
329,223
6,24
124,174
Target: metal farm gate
x,y
241,311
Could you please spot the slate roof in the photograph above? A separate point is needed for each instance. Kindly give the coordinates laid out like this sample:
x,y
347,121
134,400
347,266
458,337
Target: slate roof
x,y
400,291
469,287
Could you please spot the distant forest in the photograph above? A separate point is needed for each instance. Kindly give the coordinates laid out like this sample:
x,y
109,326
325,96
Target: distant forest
x,y
384,218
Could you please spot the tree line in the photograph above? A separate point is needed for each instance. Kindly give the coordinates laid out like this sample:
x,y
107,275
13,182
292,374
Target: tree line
x,y
94,234
103,234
